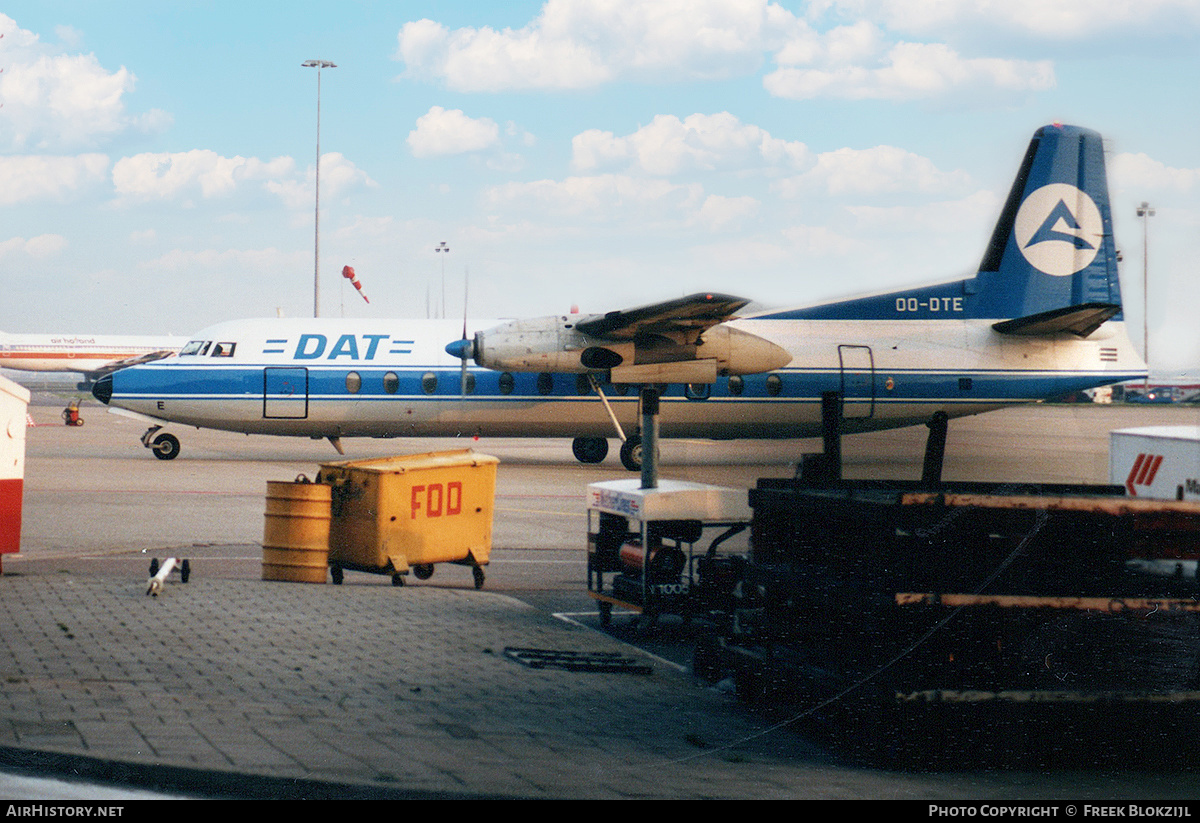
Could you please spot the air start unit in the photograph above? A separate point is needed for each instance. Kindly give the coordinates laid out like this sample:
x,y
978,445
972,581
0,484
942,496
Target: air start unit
x,y
395,514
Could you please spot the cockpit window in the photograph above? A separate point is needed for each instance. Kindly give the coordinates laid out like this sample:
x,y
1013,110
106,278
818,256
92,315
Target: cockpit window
x,y
195,347
224,349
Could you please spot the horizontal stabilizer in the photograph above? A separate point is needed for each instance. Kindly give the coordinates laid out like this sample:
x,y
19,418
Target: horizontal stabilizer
x,y
1079,320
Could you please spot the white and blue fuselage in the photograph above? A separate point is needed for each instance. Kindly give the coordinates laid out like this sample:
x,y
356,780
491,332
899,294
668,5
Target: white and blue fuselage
x,y
329,378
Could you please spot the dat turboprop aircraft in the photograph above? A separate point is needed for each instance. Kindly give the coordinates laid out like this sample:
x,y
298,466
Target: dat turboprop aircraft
x,y
1042,317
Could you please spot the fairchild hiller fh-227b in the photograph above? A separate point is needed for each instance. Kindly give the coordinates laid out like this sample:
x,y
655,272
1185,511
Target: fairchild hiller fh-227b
x,y
1041,318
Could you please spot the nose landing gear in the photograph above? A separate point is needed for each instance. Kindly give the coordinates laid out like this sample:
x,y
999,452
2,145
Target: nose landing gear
x,y
165,446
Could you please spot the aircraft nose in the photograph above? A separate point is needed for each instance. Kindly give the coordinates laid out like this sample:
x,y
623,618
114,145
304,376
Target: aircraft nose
x,y
102,389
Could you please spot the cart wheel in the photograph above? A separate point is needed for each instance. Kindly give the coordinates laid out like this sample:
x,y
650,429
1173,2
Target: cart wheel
x,y
477,573
397,579
335,574
185,571
605,614
423,571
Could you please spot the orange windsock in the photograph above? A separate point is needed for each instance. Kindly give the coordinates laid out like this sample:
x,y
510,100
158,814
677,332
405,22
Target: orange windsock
x,y
348,273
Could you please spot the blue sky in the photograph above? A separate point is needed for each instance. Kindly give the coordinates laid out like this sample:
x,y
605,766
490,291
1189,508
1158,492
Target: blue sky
x,y
157,159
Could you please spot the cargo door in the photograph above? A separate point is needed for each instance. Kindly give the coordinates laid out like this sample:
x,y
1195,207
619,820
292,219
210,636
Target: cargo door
x,y
285,392
858,381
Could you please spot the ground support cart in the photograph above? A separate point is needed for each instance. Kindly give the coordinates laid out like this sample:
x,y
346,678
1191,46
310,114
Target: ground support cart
x,y
641,547
398,514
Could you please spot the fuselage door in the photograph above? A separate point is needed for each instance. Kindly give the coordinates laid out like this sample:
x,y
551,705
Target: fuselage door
x,y
858,381
285,392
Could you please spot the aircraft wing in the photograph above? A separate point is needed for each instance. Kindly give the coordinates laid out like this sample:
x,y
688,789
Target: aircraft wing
x,y
694,314
109,368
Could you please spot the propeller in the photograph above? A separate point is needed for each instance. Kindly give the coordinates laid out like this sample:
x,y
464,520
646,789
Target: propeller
x,y
464,347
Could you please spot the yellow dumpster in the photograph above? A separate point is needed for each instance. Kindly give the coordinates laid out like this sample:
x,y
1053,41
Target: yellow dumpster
x,y
395,514
296,531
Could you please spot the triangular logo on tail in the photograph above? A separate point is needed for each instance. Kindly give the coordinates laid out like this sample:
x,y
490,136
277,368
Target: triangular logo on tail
x,y
1059,229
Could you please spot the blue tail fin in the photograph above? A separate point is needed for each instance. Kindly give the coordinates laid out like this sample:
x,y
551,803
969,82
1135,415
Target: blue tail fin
x,y
1051,265
1053,247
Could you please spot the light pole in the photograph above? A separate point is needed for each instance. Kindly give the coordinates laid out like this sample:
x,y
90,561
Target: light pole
x,y
443,247
318,65
1145,211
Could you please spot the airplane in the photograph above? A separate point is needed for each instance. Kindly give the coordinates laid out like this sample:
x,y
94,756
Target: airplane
x,y
88,354
1041,318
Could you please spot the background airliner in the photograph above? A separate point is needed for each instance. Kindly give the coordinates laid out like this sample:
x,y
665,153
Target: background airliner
x,y
88,354
1042,317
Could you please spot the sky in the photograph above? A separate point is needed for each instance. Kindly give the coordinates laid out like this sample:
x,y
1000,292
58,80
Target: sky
x,y
158,160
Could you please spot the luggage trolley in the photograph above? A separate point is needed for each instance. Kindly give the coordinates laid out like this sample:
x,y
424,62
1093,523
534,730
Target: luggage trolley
x,y
641,545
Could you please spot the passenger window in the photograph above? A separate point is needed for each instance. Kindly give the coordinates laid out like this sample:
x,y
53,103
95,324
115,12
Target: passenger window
x,y
545,383
353,382
774,385
507,383
736,386
429,382
391,382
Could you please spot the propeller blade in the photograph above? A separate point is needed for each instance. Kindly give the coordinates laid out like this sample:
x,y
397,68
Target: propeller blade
x,y
463,377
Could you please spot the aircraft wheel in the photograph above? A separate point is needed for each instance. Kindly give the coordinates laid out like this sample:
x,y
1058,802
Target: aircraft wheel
x,y
590,449
631,453
185,571
336,575
166,447
153,566
423,571
477,573
605,610
397,579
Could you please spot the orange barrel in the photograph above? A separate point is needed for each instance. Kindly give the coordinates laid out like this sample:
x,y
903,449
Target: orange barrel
x,y
296,531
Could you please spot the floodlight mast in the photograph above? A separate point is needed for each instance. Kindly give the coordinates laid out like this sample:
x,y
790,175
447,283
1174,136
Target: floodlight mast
x,y
318,65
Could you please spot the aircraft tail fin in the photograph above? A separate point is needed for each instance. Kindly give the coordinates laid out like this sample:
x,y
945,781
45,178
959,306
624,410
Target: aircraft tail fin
x,y
1051,265
1052,251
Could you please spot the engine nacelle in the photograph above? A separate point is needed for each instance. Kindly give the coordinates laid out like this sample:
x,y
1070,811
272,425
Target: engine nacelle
x,y
553,344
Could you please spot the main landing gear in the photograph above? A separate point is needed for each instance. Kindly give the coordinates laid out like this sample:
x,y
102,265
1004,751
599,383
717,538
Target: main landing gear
x,y
165,446
595,449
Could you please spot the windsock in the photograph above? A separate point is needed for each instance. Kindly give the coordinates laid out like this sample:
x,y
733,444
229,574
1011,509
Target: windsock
x,y
348,273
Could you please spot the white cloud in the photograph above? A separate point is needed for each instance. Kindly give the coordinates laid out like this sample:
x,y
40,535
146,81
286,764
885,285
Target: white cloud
x,y
54,100
43,246
204,173
233,260
1140,172
699,142
575,44
874,171
25,178
1057,20
720,212
442,132
603,196
913,71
